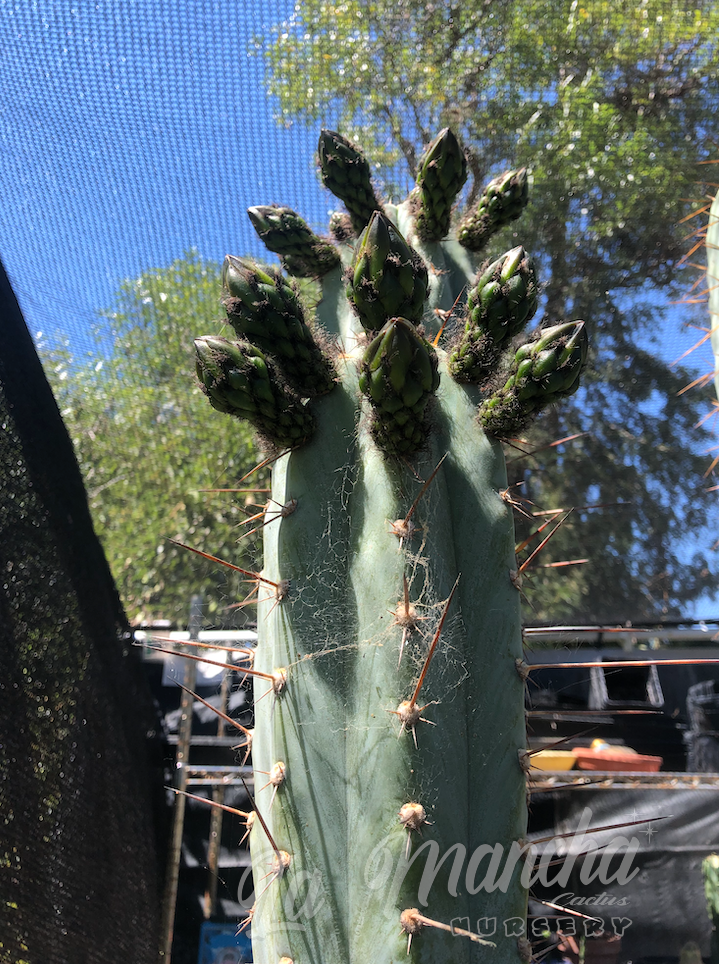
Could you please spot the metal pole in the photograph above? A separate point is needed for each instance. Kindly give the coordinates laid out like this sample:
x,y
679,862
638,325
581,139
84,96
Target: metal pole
x,y
181,759
218,797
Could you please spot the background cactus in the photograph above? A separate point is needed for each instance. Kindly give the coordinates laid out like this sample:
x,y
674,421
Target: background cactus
x,y
712,245
710,872
390,716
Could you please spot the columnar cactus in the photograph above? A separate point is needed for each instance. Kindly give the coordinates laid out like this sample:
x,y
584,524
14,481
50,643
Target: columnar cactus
x,y
713,283
389,746
710,873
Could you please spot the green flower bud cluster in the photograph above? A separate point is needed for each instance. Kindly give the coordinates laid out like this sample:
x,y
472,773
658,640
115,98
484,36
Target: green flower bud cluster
x,y
345,172
502,201
304,254
341,227
499,305
441,176
544,370
388,278
398,376
239,380
264,309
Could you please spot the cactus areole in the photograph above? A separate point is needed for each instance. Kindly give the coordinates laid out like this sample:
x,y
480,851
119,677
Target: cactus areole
x,y
389,621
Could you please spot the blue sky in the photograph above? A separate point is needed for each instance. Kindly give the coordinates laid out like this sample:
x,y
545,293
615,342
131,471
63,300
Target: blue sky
x,y
131,132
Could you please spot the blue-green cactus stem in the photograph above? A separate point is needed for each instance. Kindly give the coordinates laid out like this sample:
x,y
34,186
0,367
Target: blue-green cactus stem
x,y
265,309
304,254
342,814
399,731
712,248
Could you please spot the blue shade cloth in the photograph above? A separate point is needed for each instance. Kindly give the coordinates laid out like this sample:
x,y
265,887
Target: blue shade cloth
x,y
131,133
134,131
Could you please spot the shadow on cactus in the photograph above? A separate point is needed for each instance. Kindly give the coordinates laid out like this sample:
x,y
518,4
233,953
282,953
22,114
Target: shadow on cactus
x,y
398,826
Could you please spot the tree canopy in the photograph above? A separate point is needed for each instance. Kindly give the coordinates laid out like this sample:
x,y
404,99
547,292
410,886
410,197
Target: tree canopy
x,y
611,107
148,445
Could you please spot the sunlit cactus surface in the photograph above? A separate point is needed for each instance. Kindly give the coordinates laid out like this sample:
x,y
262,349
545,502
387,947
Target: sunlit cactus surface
x,y
389,742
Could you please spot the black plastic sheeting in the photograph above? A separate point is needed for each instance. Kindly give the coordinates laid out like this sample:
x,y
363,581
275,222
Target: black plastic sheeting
x,y
79,742
661,906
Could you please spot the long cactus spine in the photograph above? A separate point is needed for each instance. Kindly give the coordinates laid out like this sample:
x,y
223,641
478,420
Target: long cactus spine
x,y
399,725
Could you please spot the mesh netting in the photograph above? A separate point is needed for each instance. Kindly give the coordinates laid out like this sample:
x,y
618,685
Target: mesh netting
x,y
132,133
77,844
